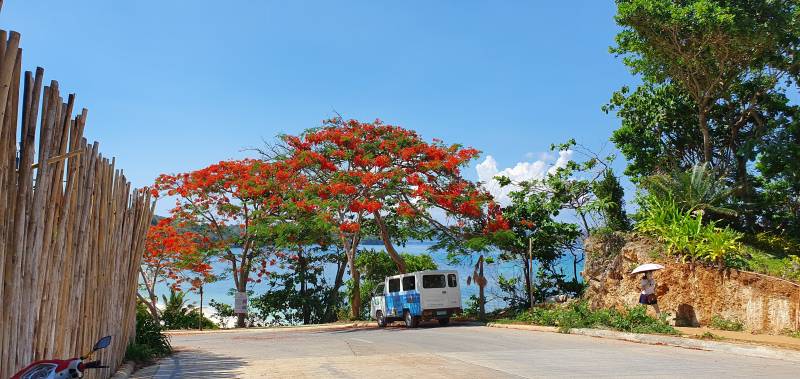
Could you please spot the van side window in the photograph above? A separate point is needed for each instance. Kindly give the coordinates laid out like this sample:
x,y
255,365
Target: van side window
x,y
452,281
409,283
394,285
433,281
379,289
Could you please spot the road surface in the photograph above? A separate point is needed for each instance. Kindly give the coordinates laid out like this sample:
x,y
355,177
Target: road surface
x,y
444,352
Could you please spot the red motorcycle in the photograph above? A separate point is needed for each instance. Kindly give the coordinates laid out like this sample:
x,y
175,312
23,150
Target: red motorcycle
x,y
62,369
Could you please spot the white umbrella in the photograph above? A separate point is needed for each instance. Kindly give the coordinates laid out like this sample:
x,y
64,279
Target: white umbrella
x,y
647,267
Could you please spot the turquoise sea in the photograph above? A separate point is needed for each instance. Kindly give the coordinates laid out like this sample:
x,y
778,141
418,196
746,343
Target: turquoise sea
x,y
221,290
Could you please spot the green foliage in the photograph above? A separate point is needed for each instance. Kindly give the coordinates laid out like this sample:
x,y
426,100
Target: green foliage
x,y
579,315
471,307
721,323
611,198
658,129
715,77
299,294
710,336
695,189
779,164
178,315
223,312
685,234
791,333
150,341
771,262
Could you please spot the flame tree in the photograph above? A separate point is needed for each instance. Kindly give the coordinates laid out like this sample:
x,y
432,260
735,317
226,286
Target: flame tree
x,y
360,173
170,256
231,195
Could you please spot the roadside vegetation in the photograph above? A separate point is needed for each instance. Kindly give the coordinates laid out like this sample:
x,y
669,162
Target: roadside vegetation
x,y
721,323
150,342
580,315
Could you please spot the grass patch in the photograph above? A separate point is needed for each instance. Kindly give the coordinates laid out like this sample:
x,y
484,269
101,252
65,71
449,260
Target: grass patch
x,y
721,323
579,315
792,333
710,336
772,262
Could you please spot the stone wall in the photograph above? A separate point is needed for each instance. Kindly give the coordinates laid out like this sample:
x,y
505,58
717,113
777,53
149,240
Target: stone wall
x,y
691,293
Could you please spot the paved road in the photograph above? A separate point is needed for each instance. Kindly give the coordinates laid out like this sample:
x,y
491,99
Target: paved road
x,y
445,352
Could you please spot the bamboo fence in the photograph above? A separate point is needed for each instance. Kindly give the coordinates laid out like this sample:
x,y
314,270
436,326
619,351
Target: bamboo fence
x,y
71,228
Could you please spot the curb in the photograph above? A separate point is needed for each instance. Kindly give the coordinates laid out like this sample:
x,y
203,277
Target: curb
x,y
357,324
653,339
124,371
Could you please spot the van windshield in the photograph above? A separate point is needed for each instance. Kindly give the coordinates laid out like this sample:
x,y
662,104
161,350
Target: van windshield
x,y
433,281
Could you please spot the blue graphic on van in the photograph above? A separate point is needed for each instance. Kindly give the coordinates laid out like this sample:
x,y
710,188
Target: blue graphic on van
x,y
396,302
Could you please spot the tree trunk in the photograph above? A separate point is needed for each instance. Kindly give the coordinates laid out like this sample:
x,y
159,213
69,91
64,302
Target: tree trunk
x,y
333,297
527,272
241,318
355,297
302,264
398,260
575,268
151,306
703,123
481,296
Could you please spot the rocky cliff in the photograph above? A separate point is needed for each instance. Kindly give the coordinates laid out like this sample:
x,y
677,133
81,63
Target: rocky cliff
x,y
691,293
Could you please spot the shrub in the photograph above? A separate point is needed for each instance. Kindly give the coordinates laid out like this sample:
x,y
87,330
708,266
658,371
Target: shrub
x,y
579,315
710,336
792,333
179,315
721,323
684,233
150,341
471,307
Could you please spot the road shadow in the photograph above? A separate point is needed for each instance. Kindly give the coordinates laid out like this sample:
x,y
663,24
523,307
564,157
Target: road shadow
x,y
198,364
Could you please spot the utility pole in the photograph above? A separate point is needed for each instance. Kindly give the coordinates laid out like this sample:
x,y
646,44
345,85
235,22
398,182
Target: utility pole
x,y
530,269
201,307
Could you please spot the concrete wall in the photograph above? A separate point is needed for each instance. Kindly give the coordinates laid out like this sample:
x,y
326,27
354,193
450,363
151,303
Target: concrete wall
x,y
691,293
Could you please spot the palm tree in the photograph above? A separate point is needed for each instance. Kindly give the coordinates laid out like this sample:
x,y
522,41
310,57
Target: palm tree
x,y
175,309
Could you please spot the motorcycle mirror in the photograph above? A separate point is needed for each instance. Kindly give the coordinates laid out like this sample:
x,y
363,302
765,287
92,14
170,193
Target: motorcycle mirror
x,y
102,343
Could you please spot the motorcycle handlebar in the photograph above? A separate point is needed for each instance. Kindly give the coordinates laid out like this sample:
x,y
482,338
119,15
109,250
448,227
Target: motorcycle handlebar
x,y
92,364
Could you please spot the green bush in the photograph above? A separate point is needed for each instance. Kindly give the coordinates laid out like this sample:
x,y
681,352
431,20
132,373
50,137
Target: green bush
x,y
579,315
177,314
471,307
721,323
684,233
150,341
139,353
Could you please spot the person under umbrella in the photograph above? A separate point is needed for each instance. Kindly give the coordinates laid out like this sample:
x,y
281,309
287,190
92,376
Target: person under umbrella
x,y
648,285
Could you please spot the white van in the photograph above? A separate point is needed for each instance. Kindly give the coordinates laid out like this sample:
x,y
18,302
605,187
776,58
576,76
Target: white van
x,y
421,295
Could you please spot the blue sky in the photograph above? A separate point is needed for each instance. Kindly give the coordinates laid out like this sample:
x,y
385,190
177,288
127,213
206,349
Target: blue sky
x,y
172,86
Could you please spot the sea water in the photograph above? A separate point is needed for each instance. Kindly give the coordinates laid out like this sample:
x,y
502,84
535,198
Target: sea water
x,y
222,291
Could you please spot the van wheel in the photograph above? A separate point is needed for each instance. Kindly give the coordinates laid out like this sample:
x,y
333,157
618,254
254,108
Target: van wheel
x,y
411,321
381,319
444,321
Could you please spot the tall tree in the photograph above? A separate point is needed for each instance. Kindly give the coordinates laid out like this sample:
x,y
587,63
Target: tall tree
x,y
232,195
709,47
367,173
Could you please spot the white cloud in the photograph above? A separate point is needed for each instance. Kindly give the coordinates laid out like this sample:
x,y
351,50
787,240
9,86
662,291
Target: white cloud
x,y
522,171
